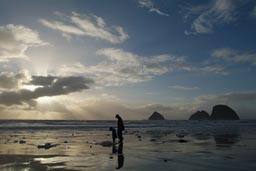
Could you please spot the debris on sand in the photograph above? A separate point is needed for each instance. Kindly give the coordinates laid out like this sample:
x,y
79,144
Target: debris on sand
x,y
106,143
47,146
153,140
181,134
22,142
183,141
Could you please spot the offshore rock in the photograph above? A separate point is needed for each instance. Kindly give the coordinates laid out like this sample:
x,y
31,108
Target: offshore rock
x,y
223,112
199,115
156,116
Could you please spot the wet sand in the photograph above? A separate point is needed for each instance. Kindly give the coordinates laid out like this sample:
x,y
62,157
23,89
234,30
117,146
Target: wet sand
x,y
147,149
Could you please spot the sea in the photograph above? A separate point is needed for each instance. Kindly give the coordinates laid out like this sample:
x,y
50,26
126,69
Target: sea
x,y
92,125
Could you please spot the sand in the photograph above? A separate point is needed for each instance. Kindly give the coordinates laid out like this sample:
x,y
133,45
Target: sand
x,y
149,150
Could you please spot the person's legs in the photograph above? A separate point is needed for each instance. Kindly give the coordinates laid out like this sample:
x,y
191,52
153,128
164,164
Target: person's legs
x,y
120,135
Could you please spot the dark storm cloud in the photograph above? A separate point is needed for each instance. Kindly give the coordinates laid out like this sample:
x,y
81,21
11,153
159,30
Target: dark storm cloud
x,y
52,86
42,80
9,80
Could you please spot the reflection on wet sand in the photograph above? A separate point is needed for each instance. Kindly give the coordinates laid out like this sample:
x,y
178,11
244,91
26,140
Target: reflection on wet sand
x,y
221,137
120,155
227,138
201,136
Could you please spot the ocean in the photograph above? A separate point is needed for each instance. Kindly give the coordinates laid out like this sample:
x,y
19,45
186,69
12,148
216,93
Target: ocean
x,y
89,125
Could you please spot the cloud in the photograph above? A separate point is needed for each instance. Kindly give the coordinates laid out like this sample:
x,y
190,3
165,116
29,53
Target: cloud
x,y
234,97
120,67
254,12
95,107
42,80
10,80
125,63
48,87
52,106
150,6
83,25
211,15
215,69
235,56
178,87
16,39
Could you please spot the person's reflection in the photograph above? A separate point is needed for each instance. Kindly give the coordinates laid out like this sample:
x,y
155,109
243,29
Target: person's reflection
x,y
120,156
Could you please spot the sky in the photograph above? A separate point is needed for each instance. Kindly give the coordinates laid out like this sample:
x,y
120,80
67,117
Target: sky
x,y
92,59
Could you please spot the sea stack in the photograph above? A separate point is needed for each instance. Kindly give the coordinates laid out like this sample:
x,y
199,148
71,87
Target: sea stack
x,y
156,116
223,112
200,115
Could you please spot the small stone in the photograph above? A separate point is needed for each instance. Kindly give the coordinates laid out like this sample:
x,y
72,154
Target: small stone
x,y
22,142
183,141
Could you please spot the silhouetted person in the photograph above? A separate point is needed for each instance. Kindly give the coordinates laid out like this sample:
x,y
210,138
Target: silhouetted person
x,y
114,135
120,128
120,156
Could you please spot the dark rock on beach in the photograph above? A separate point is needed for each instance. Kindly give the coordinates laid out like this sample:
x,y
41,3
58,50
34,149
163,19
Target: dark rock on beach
x,y
199,115
156,116
223,112
106,143
182,141
47,146
22,142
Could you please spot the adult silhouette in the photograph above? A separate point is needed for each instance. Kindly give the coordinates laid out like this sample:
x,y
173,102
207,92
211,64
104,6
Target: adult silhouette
x,y
120,128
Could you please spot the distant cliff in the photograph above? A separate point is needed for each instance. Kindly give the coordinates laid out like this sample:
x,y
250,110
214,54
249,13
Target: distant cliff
x,y
156,116
199,115
223,112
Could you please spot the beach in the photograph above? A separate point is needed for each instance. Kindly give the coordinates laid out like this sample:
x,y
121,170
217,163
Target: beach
x,y
148,145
